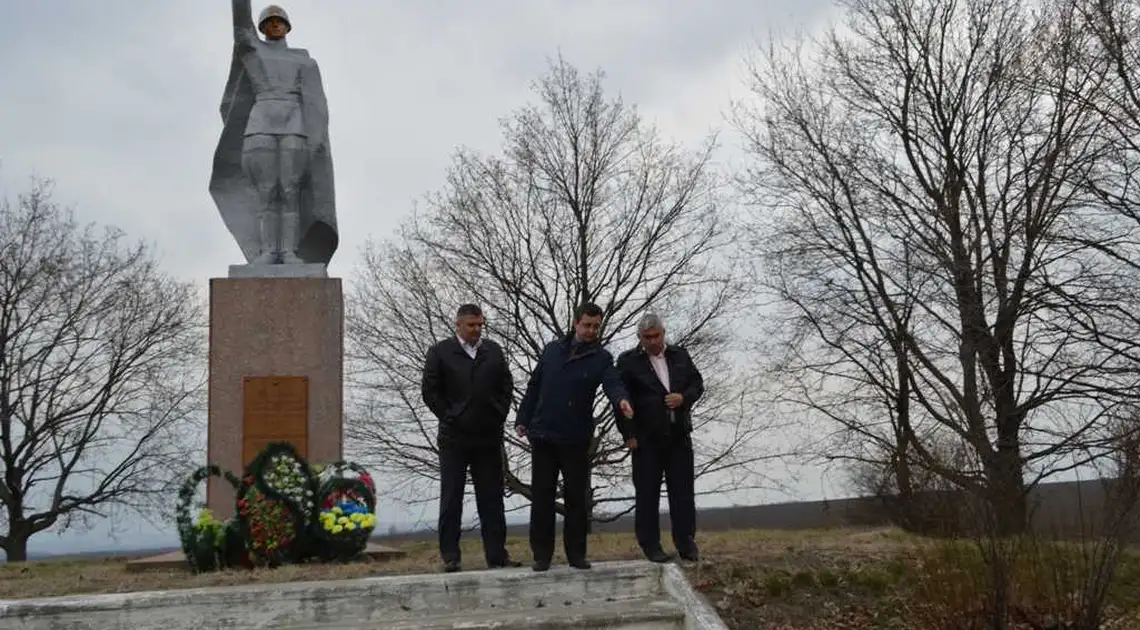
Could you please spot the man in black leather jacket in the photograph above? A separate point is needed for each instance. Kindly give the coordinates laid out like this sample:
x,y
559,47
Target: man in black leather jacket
x,y
663,384
468,385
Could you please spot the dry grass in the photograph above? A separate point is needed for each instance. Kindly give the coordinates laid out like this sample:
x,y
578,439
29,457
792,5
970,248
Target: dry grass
x,y
49,578
779,580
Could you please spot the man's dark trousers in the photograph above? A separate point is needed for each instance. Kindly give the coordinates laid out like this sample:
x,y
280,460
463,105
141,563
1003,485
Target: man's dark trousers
x,y
548,460
485,461
668,456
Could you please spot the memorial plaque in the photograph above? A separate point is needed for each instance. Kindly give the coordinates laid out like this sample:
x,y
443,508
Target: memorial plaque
x,y
274,409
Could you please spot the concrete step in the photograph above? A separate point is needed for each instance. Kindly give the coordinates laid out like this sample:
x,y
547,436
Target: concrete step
x,y
504,598
655,614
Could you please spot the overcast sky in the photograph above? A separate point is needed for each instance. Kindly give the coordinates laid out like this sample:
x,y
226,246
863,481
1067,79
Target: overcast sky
x,y
117,100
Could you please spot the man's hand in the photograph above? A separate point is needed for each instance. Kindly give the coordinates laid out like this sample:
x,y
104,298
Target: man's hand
x,y
673,401
626,409
520,430
631,444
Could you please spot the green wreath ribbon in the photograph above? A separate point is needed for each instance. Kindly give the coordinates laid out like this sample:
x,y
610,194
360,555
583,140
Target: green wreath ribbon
x,y
203,554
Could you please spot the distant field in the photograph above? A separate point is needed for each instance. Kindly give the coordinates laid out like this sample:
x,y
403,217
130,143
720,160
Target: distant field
x,y
1056,510
777,580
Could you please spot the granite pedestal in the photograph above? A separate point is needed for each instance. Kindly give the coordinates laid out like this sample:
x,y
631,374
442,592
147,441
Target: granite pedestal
x,y
276,372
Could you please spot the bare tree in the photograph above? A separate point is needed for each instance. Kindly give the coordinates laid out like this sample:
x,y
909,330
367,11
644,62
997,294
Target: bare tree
x,y
1115,26
585,203
100,366
835,358
1115,30
924,169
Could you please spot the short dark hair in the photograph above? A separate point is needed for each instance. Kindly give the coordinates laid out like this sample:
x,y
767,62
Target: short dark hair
x,y
587,309
469,310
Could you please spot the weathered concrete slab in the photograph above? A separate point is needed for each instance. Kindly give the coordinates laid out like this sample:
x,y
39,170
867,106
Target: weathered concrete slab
x,y
607,596
699,614
632,615
174,560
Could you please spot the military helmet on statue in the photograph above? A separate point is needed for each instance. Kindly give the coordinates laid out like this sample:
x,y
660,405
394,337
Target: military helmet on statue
x,y
273,11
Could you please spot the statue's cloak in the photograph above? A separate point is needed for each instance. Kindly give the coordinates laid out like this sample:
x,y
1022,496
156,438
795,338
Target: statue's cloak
x,y
235,196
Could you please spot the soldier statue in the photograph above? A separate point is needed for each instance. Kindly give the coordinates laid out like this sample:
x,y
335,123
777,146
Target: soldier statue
x,y
272,176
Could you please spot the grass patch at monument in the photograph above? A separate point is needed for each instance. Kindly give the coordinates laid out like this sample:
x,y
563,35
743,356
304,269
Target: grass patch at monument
x,y
64,577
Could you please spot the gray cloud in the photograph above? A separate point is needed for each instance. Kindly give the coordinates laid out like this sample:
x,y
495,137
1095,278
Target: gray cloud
x,y
118,100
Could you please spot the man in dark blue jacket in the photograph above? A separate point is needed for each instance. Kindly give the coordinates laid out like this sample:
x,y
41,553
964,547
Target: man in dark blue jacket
x,y
557,416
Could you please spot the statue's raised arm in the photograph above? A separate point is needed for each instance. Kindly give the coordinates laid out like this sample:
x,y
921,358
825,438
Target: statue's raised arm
x,y
243,20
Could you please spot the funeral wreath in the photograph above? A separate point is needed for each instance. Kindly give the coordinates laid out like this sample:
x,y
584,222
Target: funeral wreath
x,y
286,511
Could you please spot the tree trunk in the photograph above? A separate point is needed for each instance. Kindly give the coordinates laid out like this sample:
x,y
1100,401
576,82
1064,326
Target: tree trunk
x,y
908,518
16,542
1008,503
1008,500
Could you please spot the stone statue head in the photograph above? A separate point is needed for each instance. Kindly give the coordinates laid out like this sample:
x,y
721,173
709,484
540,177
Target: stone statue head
x,y
274,22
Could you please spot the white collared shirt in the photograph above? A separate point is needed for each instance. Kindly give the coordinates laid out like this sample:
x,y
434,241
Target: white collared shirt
x,y
661,367
471,350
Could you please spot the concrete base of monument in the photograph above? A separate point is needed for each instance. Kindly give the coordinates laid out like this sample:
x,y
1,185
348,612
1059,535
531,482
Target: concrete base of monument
x,y
176,560
276,373
623,595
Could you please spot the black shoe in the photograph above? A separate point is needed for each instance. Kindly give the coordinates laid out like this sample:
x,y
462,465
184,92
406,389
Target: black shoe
x,y
541,565
658,555
451,566
504,564
580,563
691,554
